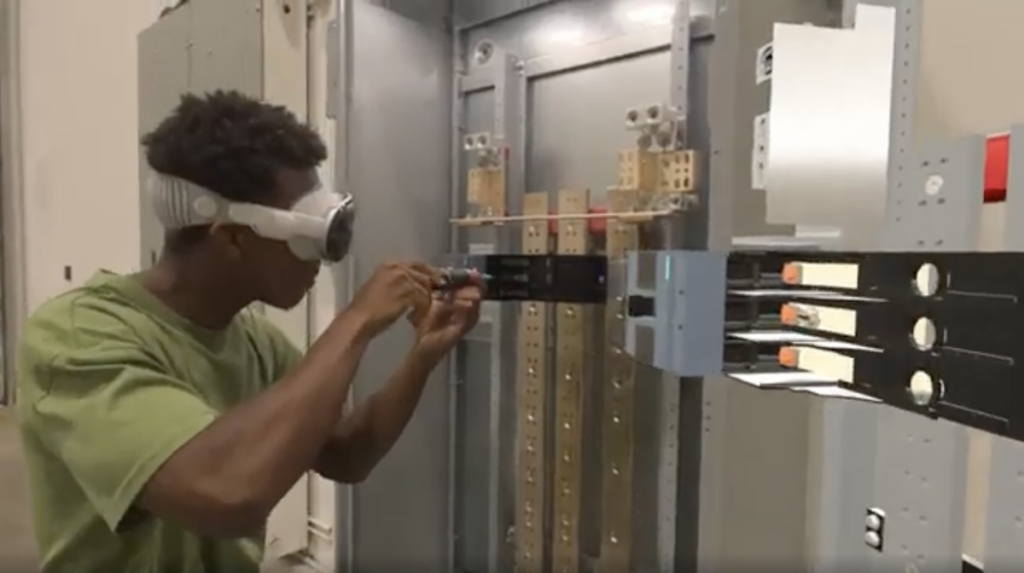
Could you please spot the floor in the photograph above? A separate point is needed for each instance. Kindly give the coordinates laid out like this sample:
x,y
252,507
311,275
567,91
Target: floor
x,y
17,551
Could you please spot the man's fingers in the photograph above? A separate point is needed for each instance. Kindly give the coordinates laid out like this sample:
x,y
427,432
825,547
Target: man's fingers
x,y
423,275
417,280
420,303
424,269
471,293
417,314
421,296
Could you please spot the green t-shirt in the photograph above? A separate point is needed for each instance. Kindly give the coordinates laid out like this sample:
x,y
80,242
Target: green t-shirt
x,y
111,384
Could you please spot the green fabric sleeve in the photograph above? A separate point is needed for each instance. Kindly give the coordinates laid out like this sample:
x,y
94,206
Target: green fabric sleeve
x,y
283,352
114,418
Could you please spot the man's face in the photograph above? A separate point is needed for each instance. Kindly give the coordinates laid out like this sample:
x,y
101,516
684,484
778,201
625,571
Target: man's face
x,y
271,270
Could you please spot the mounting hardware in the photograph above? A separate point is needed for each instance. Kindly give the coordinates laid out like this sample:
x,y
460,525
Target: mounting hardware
x,y
634,118
676,171
644,141
765,64
656,114
476,141
874,529
483,52
638,170
666,134
488,155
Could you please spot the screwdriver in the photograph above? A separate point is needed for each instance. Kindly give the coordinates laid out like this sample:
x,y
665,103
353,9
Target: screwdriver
x,y
456,278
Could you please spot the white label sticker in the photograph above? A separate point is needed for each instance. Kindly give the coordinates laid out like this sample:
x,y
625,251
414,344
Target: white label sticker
x,y
763,66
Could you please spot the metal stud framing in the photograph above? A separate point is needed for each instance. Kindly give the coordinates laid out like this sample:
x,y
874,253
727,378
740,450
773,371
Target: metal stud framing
x,y
1004,541
920,472
904,81
531,390
573,238
670,391
617,415
920,464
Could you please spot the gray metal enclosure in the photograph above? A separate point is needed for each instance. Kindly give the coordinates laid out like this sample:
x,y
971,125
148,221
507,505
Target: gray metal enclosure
x,y
394,129
562,75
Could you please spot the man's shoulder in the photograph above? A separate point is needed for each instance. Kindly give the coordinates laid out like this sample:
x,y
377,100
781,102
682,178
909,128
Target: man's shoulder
x,y
85,325
77,314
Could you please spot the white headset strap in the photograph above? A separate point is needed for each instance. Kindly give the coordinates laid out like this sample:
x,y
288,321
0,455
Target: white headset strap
x,y
179,203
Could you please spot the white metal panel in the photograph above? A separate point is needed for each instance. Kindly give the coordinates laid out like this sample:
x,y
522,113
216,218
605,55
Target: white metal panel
x,y
827,167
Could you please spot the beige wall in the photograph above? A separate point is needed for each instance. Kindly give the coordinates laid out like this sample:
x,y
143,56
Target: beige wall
x,y
79,139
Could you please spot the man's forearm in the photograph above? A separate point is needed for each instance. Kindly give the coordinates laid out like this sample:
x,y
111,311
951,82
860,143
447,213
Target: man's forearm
x,y
230,475
366,435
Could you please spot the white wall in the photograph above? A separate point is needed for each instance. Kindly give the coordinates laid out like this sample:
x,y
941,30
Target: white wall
x,y
79,139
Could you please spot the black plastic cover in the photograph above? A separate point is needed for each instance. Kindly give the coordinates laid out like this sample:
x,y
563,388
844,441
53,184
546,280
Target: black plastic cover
x,y
574,279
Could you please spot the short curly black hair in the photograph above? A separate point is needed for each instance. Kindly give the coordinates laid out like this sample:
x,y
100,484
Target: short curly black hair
x,y
232,144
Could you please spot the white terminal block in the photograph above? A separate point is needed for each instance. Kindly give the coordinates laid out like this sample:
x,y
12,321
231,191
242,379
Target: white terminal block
x,y
476,141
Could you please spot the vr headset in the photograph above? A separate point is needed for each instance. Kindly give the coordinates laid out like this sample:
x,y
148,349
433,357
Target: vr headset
x,y
318,227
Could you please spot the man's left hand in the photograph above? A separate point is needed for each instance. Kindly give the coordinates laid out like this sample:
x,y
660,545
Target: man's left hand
x,y
450,317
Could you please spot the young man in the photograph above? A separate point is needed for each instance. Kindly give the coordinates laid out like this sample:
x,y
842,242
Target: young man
x,y
162,420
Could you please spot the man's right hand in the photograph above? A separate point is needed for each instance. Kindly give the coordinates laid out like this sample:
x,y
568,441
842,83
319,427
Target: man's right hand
x,y
393,290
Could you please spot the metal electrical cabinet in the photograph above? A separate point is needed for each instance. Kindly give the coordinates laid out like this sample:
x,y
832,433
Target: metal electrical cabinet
x,y
393,123
554,80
